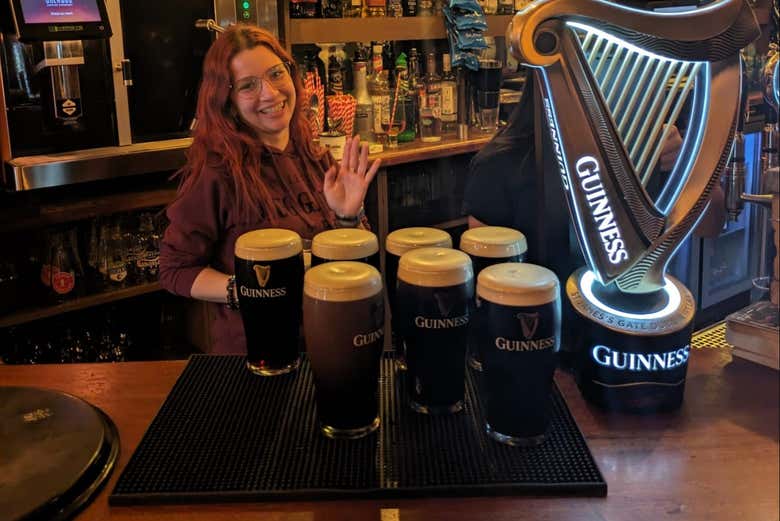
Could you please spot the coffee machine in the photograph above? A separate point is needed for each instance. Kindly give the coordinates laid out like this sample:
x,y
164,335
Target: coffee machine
x,y
97,89
57,93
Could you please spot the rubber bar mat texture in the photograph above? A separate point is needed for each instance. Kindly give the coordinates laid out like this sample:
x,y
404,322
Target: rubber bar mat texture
x,y
224,434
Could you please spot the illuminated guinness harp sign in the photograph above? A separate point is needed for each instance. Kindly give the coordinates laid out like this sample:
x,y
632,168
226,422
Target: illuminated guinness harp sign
x,y
614,80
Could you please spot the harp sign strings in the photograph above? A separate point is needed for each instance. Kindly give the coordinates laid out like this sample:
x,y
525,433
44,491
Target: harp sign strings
x,y
644,93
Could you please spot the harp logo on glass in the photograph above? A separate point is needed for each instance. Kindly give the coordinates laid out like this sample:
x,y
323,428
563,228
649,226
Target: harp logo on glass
x,y
528,323
263,273
589,173
606,357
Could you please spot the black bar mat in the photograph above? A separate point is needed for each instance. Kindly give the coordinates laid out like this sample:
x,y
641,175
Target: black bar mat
x,y
224,434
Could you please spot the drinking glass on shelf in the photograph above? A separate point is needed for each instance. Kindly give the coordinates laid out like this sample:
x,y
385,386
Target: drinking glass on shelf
x,y
397,121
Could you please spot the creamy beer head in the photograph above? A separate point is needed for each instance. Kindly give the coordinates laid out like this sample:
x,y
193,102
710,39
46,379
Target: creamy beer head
x,y
435,267
405,239
342,281
493,242
344,244
517,284
268,244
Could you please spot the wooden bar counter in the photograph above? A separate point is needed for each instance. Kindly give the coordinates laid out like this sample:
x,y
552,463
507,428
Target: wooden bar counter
x,y
715,459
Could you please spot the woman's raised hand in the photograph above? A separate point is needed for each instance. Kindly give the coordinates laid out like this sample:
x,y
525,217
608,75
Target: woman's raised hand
x,y
347,182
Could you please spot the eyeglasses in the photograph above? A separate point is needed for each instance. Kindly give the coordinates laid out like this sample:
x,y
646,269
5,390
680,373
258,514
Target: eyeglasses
x,y
251,86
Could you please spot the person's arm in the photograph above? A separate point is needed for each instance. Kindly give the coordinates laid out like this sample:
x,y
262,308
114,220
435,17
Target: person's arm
x,y
474,222
211,285
486,200
188,245
670,150
711,224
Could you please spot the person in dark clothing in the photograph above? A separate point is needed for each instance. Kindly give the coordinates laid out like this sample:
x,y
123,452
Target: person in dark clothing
x,y
502,185
252,164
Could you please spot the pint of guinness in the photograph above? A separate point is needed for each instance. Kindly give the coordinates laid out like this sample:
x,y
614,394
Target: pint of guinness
x,y
434,301
396,244
345,244
522,332
269,283
488,245
343,317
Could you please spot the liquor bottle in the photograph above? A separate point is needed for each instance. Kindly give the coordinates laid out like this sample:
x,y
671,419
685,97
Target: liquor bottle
x,y
304,9
379,90
335,76
409,92
63,269
375,8
425,7
332,8
410,7
506,7
395,8
117,258
449,98
364,109
489,6
147,247
131,252
353,9
414,98
430,112
388,62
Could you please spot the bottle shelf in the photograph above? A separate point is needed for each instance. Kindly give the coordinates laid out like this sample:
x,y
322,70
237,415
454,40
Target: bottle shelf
x,y
419,151
313,30
47,213
30,314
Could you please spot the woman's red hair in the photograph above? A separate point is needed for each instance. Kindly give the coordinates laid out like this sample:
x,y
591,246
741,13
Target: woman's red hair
x,y
222,140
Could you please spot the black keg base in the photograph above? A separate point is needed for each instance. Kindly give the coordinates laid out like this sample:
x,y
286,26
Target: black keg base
x,y
631,364
56,451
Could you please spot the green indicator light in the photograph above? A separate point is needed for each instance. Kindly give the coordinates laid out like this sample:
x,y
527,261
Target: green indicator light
x,y
246,5
246,14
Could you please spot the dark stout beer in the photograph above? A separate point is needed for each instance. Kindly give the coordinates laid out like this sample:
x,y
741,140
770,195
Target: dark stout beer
x,y
343,318
489,245
345,244
396,244
434,300
269,283
521,306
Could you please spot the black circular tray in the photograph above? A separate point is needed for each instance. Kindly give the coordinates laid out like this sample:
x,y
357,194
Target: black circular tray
x,y
56,451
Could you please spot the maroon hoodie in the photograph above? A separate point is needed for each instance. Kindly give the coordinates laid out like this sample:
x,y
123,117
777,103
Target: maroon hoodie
x,y
205,223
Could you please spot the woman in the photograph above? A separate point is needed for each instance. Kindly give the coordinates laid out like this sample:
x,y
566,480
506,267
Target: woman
x,y
252,164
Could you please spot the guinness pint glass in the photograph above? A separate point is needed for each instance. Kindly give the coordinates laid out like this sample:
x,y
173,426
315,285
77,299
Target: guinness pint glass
x,y
488,245
434,301
522,310
343,321
396,244
345,244
269,283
